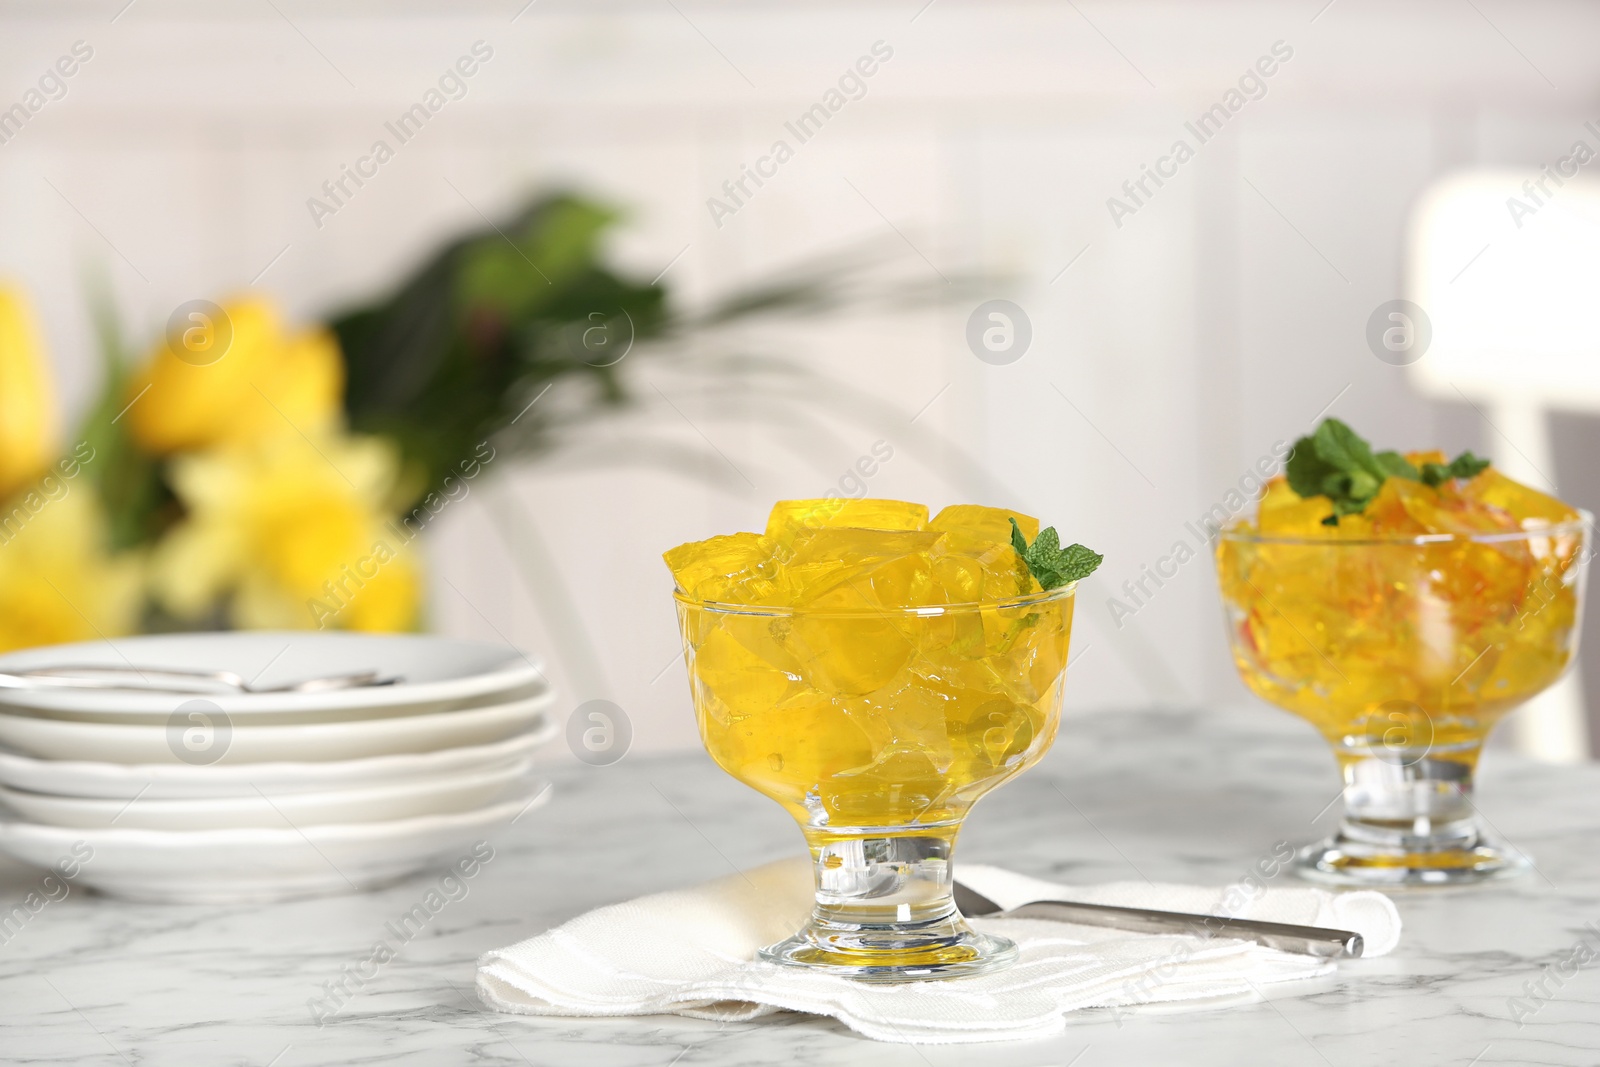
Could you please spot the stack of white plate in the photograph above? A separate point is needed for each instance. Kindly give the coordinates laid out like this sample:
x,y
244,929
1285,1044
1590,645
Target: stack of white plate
x,y
229,795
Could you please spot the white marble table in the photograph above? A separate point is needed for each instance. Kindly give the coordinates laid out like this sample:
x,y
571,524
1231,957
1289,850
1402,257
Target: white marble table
x,y
1173,796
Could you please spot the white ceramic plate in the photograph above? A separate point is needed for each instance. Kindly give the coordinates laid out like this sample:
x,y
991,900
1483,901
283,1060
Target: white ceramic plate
x,y
260,866
177,781
280,717
198,735
439,795
434,670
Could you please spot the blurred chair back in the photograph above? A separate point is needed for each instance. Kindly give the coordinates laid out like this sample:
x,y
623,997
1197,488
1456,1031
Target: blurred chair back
x,y
1504,266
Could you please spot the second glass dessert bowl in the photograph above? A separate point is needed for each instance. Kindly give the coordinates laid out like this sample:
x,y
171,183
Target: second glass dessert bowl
x,y
877,729
1405,651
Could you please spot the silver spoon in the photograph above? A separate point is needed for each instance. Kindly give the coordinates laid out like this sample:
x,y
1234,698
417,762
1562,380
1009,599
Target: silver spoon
x,y
1285,937
175,680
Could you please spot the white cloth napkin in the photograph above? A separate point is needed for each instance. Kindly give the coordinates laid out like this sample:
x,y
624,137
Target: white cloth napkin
x,y
693,952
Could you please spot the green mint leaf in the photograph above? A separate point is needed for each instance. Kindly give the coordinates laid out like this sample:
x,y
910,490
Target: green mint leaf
x,y
1076,562
1358,487
1394,465
1336,462
1305,469
1463,466
1342,448
1052,565
1467,465
1046,545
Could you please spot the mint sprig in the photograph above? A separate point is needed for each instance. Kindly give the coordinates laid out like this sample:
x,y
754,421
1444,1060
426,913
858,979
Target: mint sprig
x,y
1051,564
1465,465
1336,462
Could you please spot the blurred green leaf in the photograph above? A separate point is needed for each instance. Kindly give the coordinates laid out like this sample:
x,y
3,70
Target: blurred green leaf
x,y
138,504
470,338
469,343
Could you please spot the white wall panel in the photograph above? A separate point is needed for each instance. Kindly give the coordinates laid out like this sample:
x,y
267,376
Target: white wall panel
x,y
1189,338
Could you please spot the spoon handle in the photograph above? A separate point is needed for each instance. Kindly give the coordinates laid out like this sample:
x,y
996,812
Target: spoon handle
x,y
1285,937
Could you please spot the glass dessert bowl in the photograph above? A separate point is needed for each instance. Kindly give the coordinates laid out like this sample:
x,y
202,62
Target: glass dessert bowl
x,y
1404,634
876,691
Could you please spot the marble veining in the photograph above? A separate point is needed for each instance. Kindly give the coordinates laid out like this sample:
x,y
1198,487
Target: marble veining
x,y
1484,976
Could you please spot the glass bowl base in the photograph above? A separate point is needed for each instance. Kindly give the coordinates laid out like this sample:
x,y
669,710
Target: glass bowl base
x,y
1340,861
882,956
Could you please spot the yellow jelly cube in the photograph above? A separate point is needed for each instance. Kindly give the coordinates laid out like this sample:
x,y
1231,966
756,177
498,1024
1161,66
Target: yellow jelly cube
x,y
1403,508
1283,513
736,568
849,568
792,748
959,578
789,518
745,683
987,524
1524,503
972,571
981,536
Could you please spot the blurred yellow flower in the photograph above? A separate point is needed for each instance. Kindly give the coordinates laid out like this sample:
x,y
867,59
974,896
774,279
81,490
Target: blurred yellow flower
x,y
236,379
295,530
57,581
27,403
